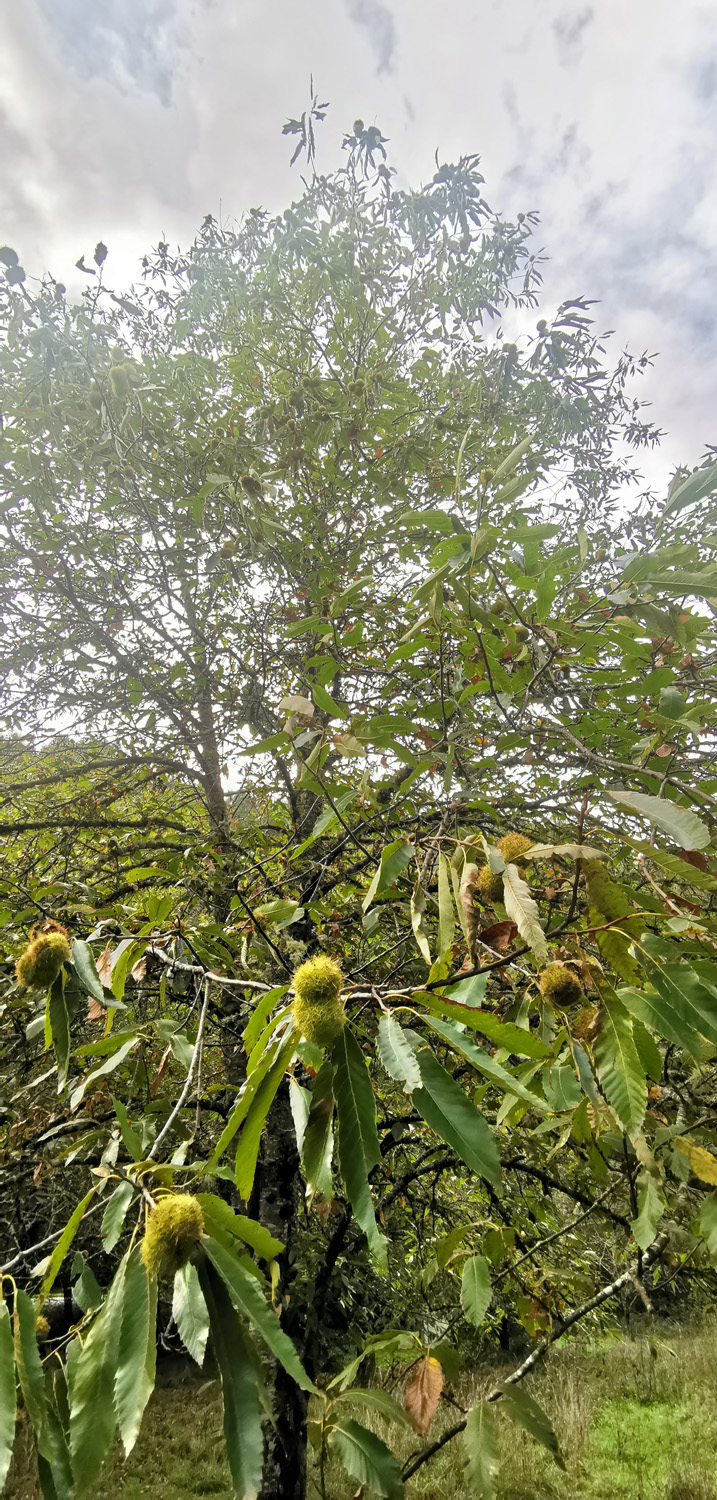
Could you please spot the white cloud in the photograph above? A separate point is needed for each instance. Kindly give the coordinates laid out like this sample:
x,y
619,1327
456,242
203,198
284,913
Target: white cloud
x,y
129,120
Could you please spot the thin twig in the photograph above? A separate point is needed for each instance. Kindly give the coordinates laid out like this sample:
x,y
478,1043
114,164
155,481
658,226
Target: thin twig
x,y
152,1155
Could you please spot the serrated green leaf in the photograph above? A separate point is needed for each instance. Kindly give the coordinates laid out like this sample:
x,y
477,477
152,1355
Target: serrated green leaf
x,y
377,1400
318,1143
522,1409
219,1214
480,1438
394,858
679,823
244,1102
682,989
522,910
446,915
708,1224
250,1139
8,1401
475,1289
136,1361
108,1066
115,1213
240,1389
323,700
487,1065
49,1436
249,1300
260,1015
650,1208
618,1065
92,1413
367,1458
59,1019
396,1054
62,1247
189,1311
83,962
517,1039
455,1119
358,1145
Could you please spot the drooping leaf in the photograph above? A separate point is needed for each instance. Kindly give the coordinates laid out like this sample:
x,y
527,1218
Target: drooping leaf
x,y
418,922
394,858
250,1138
240,1389
260,1015
679,823
8,1402
446,918
654,1011
92,1413
59,1019
83,961
650,1208
481,1443
708,1224
248,1299
397,1054
115,1213
318,1143
376,1400
358,1145
487,1065
367,1458
245,1101
189,1311
219,1215
681,988
108,1066
423,1393
455,1119
618,1065
137,1357
522,910
526,1413
475,1289
62,1247
46,1425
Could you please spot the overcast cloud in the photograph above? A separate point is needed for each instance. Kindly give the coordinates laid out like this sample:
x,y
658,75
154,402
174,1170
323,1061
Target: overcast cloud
x,y
128,120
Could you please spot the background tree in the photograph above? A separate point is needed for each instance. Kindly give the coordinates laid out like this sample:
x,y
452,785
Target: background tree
x,y
293,517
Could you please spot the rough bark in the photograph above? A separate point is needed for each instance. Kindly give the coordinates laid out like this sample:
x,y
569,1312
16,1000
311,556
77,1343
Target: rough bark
x,y
279,1195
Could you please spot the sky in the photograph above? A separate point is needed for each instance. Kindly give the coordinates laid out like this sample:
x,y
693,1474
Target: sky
x,y
129,120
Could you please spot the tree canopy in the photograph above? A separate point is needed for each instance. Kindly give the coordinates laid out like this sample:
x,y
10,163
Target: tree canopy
x,y
338,631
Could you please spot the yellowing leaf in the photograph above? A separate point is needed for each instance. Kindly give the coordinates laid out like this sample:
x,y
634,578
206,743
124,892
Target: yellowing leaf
x,y
702,1162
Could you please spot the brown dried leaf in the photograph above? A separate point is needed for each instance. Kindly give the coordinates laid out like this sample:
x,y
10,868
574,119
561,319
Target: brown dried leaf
x,y
95,1011
471,914
104,966
499,935
424,1393
159,1075
139,970
694,857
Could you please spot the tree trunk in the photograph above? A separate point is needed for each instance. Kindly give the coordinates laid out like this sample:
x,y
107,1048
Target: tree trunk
x,y
279,1196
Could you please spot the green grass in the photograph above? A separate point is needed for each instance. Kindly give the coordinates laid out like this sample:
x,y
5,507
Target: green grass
x,y
636,1418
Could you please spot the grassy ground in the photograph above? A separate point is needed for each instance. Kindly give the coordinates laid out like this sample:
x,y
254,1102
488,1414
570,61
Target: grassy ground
x,y
637,1419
